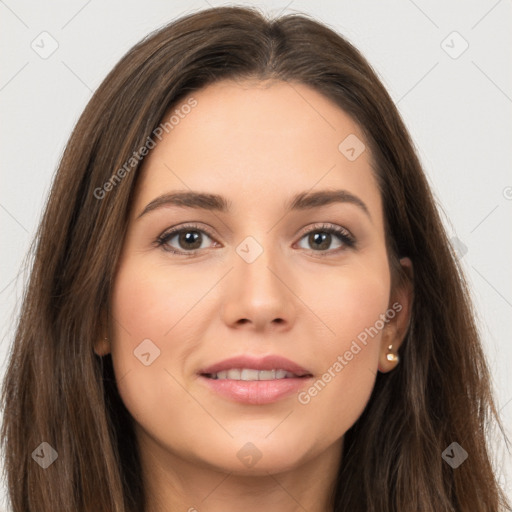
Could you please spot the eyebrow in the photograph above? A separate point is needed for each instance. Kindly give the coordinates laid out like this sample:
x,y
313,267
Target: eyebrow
x,y
215,202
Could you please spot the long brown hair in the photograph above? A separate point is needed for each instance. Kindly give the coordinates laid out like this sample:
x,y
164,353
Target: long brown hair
x,y
58,391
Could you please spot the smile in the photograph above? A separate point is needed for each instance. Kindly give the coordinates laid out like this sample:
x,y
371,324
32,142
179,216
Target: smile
x,y
249,374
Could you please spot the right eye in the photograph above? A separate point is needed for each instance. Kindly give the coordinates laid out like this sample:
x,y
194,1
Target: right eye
x,y
189,237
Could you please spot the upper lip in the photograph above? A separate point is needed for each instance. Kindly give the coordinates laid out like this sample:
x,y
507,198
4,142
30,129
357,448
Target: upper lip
x,y
269,362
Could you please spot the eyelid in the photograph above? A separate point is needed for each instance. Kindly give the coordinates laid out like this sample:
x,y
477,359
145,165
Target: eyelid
x,y
324,226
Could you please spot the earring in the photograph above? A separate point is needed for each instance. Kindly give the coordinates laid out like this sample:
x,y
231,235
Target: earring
x,y
392,357
107,340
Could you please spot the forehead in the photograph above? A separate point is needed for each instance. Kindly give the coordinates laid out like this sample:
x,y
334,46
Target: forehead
x,y
257,143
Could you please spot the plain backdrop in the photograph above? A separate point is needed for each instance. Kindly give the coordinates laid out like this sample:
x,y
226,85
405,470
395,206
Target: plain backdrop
x,y
445,64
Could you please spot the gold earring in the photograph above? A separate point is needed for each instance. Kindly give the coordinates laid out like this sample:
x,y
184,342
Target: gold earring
x,y
392,357
107,340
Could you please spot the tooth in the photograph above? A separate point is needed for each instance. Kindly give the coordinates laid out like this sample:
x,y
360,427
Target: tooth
x,y
267,374
250,374
247,374
233,374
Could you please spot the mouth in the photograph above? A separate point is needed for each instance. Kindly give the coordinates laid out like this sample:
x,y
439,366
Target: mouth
x,y
253,380
251,374
250,367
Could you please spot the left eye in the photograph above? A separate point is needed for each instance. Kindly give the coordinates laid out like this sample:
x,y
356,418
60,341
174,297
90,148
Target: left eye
x,y
321,239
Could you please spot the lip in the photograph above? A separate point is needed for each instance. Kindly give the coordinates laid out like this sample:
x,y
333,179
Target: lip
x,y
257,363
256,392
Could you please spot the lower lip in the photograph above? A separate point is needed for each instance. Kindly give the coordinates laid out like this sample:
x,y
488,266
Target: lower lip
x,y
256,392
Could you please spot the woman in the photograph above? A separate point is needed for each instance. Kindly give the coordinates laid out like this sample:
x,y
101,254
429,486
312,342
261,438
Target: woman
x,y
243,295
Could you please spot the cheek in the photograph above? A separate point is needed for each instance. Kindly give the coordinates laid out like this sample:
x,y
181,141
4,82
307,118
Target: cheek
x,y
347,302
360,304
352,308
149,300
147,304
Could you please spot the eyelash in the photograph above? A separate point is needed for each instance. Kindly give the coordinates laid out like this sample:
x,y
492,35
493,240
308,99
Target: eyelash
x,y
343,235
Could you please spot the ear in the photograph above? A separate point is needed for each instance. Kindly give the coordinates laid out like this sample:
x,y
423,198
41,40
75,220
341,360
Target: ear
x,y
102,345
399,315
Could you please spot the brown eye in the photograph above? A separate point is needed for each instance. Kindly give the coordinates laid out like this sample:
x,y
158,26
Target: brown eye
x,y
185,240
322,238
188,239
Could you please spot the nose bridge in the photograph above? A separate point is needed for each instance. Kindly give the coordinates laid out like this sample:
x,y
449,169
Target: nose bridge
x,y
256,290
256,261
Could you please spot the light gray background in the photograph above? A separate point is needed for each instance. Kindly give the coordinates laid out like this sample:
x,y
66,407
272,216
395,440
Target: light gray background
x,y
458,111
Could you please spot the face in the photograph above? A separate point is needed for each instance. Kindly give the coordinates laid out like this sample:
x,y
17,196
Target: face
x,y
265,277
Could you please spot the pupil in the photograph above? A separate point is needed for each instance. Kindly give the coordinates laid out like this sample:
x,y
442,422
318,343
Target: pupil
x,y
322,238
190,238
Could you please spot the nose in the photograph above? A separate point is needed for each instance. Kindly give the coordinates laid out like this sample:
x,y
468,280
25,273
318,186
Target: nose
x,y
258,295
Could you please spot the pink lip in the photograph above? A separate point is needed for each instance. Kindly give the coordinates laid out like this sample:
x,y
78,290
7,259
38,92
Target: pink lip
x,y
256,392
257,363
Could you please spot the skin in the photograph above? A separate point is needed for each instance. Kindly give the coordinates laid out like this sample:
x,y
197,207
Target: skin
x,y
257,144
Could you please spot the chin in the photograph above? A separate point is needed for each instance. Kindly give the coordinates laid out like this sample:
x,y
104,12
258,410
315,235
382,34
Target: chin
x,y
256,456
263,467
